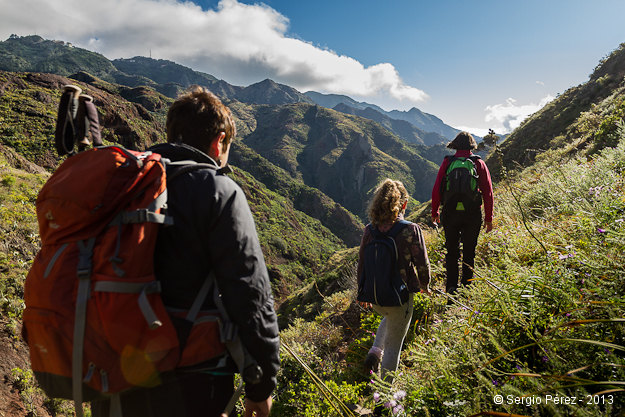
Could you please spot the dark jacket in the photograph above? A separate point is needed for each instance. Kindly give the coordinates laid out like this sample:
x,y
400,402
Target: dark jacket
x,y
214,231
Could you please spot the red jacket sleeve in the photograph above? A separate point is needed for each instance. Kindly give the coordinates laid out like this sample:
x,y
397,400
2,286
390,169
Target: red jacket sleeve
x,y
486,188
436,191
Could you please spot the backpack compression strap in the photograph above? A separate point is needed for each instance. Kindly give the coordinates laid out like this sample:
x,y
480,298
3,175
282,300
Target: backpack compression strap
x,y
229,337
243,360
80,319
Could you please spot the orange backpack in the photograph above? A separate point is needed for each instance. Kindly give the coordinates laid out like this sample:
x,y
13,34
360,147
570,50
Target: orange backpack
x,y
94,320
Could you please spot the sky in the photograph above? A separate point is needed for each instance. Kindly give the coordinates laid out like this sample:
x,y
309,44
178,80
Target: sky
x,y
475,64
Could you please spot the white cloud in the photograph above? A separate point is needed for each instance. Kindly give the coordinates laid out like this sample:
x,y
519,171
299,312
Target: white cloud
x,y
237,42
510,115
479,131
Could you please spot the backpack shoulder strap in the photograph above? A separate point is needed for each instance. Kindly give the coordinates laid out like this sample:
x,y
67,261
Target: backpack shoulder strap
x,y
375,233
474,159
397,228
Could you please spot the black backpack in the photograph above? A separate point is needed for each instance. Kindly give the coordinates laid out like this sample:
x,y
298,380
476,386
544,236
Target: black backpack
x,y
380,282
459,188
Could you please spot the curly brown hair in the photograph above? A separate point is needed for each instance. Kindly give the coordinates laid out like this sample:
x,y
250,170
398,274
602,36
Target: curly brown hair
x,y
197,117
388,202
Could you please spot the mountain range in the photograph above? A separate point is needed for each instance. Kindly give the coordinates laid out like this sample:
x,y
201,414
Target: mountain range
x,y
35,54
308,170
320,164
427,123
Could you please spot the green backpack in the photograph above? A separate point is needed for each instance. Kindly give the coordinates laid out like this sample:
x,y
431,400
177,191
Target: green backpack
x,y
460,185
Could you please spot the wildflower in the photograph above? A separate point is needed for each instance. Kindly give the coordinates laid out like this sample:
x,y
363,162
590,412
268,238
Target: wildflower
x,y
600,230
376,396
390,404
398,409
399,395
568,314
545,359
608,351
518,367
495,382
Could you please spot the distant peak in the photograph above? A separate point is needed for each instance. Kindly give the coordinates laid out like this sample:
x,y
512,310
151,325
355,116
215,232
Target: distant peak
x,y
266,81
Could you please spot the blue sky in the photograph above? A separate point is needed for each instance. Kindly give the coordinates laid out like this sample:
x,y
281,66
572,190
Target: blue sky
x,y
475,64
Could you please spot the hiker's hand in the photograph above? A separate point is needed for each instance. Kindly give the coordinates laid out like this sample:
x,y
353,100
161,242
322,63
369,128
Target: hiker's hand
x,y
488,226
364,305
436,219
426,291
257,409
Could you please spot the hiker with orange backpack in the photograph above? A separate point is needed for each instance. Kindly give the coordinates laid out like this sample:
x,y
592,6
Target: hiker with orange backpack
x,y
392,265
463,183
213,231
150,289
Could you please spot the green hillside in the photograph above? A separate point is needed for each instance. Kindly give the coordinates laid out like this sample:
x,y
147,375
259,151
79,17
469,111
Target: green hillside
x,y
28,113
344,156
35,54
583,118
544,316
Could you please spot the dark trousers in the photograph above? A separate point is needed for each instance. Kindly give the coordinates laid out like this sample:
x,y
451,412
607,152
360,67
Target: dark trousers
x,y
460,226
192,395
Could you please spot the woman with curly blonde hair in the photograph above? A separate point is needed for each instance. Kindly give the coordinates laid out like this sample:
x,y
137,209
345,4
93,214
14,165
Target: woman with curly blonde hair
x,y
386,213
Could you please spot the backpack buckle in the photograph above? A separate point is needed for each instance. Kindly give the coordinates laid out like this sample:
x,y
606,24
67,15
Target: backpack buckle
x,y
84,273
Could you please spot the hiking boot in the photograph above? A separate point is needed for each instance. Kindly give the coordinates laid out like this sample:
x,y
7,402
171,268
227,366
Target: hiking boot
x,y
372,363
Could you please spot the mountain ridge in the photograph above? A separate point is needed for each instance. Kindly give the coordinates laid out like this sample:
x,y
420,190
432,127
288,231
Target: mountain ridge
x,y
584,119
423,121
170,78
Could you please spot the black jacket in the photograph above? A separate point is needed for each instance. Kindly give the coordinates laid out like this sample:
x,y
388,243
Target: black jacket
x,y
214,231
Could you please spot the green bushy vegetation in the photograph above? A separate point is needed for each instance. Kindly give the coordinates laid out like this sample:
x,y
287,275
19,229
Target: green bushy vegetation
x,y
544,316
18,239
27,118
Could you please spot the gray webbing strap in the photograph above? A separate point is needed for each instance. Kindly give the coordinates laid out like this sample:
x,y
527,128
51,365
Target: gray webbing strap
x,y
80,319
142,216
201,297
159,202
233,344
145,215
115,407
131,288
127,287
235,348
55,258
148,312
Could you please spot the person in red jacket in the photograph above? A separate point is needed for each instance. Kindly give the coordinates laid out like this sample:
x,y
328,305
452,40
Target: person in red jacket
x,y
462,221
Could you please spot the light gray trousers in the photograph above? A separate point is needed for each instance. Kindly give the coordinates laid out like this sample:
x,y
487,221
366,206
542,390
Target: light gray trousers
x,y
391,333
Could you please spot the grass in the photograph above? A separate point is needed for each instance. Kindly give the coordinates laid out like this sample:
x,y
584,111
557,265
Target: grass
x,y
543,321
